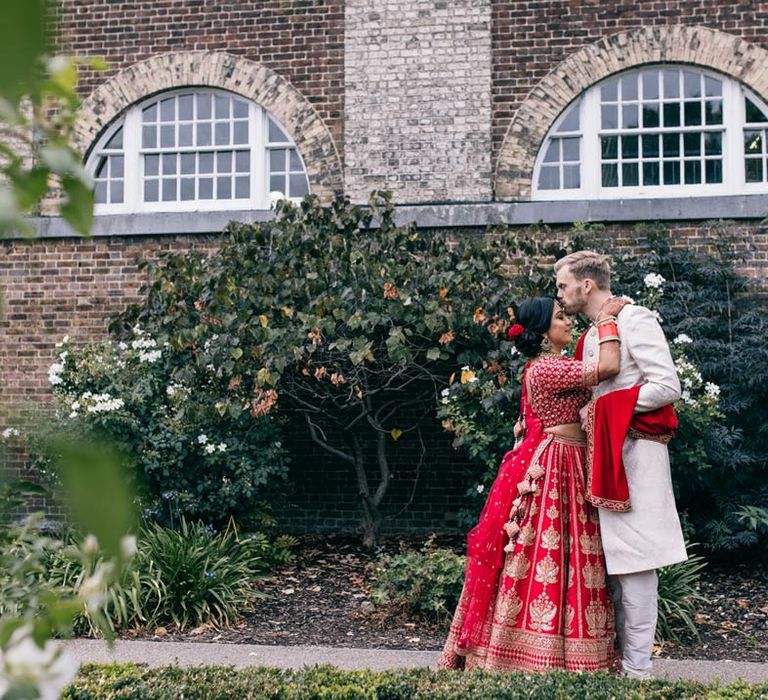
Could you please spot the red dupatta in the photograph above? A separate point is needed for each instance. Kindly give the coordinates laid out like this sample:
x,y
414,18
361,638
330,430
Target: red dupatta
x,y
486,541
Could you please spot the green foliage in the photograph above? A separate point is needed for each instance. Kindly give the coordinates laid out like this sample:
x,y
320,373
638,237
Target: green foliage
x,y
129,682
425,583
679,597
186,578
187,457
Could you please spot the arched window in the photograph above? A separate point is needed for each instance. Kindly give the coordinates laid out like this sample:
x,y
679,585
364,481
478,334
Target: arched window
x,y
195,149
660,131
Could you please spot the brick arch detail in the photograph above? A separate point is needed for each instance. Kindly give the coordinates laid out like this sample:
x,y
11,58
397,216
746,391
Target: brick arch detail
x,y
228,72
700,46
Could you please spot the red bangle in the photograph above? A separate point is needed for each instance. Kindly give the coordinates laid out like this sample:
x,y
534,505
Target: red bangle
x,y
607,329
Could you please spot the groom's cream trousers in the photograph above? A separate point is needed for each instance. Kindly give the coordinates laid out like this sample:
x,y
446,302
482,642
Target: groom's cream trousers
x,y
634,596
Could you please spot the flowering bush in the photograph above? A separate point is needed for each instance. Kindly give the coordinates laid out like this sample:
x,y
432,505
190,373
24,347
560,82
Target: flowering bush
x,y
190,458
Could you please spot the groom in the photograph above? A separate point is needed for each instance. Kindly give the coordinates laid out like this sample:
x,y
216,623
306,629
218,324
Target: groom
x,y
648,535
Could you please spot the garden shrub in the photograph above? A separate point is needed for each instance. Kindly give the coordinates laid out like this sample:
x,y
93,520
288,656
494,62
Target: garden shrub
x,y
129,682
425,583
187,456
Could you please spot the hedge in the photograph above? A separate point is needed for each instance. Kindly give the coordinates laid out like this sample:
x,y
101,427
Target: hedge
x,y
131,682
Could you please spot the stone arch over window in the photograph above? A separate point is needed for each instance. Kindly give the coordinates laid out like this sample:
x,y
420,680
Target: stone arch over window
x,y
234,74
699,46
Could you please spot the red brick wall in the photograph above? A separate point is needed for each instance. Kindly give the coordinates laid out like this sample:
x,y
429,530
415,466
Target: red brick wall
x,y
530,38
302,40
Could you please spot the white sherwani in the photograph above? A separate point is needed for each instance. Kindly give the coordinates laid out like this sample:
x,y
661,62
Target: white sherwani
x,y
648,536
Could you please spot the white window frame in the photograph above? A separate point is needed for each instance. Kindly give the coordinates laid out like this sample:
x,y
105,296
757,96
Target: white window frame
x,y
734,124
131,123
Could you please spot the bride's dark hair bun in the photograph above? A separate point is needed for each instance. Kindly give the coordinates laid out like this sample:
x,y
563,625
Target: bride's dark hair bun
x,y
535,316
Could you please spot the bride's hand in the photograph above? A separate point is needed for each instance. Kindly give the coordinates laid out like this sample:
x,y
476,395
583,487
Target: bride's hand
x,y
518,429
612,306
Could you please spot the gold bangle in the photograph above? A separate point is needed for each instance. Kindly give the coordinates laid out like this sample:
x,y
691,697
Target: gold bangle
x,y
609,339
607,319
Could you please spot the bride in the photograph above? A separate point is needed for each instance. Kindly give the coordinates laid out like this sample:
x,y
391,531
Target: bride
x,y
535,594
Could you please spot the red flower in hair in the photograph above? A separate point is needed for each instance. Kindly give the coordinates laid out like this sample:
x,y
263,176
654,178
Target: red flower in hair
x,y
516,330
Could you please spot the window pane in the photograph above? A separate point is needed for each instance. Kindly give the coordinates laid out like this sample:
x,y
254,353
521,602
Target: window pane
x,y
240,132
149,114
242,161
243,187
650,85
276,134
169,190
206,162
222,133
692,84
671,144
610,147
651,146
713,144
754,113
571,177
570,150
185,107
203,106
151,165
150,190
672,173
187,163
222,107
650,173
629,118
712,87
187,189
100,193
754,169
630,174
116,166
551,156
203,135
102,170
549,178
671,83
116,142
692,144
753,142
713,111
223,188
610,175
205,188
185,134
240,109
650,115
629,88
609,90
672,114
692,172
167,136
149,137
692,113
629,147
713,170
295,160
277,183
277,160
571,121
168,110
610,118
169,164
224,162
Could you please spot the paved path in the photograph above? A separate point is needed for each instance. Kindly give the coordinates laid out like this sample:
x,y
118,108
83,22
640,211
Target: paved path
x,y
240,655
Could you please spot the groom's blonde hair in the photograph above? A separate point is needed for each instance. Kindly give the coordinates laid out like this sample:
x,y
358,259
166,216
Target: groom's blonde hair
x,y
586,264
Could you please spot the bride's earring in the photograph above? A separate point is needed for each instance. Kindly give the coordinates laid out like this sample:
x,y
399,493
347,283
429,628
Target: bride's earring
x,y
546,344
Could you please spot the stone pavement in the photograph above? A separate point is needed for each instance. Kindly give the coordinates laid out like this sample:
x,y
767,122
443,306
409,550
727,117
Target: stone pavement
x,y
296,657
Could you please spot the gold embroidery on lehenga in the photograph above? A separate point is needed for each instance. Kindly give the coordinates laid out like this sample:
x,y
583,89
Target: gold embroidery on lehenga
x,y
527,535
541,613
533,509
569,615
597,618
594,575
553,512
590,544
518,567
510,608
550,538
571,575
583,517
547,570
554,493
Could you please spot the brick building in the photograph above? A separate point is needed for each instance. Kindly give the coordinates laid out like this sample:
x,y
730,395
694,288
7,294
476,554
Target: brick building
x,y
471,111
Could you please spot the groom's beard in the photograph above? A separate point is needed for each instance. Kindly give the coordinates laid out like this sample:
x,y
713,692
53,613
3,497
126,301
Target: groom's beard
x,y
577,305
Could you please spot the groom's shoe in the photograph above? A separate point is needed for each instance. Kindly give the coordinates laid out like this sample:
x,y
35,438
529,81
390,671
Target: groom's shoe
x,y
637,675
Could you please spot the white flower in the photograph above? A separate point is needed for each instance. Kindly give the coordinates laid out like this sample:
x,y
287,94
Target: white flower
x,y
480,488
171,390
471,380
210,449
712,390
444,400
9,433
143,344
465,368
54,372
202,438
653,281
513,351
50,668
90,544
63,356
151,356
445,392
122,346
63,341
128,546
682,339
222,446
93,588
75,406
628,298
657,315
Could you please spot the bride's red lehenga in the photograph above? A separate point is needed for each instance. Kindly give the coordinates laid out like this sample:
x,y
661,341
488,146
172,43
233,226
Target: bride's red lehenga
x,y
535,594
